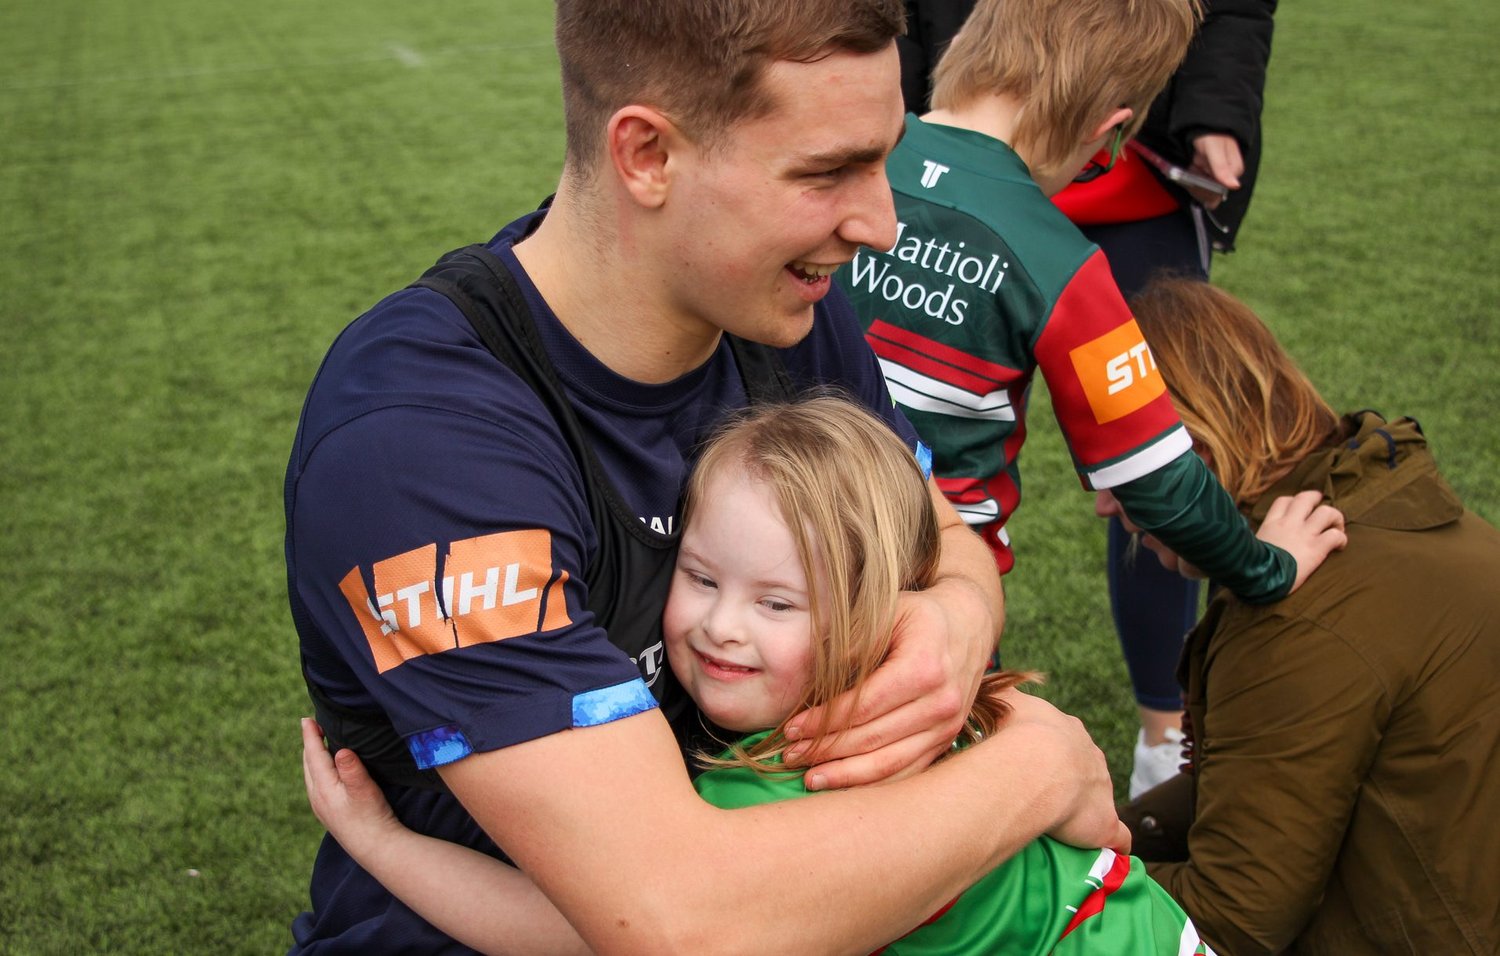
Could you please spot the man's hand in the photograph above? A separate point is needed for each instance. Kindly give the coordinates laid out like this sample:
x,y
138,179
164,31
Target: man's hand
x,y
1087,816
1306,529
917,701
1217,156
345,799
910,711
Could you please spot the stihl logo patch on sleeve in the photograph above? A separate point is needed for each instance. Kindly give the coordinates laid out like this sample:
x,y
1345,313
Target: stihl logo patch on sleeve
x,y
1117,373
493,587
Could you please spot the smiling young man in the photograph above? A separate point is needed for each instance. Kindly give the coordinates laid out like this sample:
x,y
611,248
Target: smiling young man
x,y
482,504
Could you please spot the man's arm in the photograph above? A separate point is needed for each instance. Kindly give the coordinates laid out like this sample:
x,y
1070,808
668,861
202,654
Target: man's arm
x,y
606,822
1293,722
917,701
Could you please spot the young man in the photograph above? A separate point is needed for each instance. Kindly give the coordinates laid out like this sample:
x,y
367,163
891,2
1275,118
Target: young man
x,y
481,506
987,281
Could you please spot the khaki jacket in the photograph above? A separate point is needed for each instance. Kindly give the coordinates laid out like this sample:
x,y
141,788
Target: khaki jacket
x,y
1345,758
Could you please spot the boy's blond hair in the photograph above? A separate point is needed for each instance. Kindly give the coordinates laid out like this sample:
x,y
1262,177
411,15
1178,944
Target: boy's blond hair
x,y
1067,62
697,61
857,506
1240,395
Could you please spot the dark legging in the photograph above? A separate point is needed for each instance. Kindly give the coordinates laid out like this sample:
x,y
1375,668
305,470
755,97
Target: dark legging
x,y
1153,607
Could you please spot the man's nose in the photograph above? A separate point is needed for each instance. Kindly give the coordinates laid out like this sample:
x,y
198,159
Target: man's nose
x,y
871,220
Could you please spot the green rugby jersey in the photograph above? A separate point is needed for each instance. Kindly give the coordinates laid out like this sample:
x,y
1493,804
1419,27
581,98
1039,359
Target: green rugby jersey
x,y
988,282
1048,898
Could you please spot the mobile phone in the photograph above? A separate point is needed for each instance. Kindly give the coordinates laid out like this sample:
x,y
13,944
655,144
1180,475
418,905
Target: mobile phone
x,y
1177,174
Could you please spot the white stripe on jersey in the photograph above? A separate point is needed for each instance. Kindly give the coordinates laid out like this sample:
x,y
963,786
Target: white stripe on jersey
x,y
1188,944
1102,865
1143,462
928,394
978,512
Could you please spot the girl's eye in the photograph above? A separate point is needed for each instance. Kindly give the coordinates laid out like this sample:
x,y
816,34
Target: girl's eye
x,y
700,580
774,605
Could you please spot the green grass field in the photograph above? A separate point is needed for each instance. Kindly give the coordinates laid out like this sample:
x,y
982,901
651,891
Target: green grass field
x,y
195,198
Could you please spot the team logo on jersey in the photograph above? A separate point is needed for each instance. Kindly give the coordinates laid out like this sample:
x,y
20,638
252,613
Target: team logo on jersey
x,y
651,662
931,173
1117,372
493,587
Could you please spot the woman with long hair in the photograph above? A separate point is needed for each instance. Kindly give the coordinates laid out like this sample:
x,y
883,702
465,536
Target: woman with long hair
x,y
1340,770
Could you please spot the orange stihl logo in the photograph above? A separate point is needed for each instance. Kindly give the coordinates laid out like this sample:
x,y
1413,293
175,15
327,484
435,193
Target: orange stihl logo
x,y
1117,373
494,587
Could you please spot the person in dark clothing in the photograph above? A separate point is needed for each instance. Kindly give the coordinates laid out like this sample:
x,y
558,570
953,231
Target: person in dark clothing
x,y
482,508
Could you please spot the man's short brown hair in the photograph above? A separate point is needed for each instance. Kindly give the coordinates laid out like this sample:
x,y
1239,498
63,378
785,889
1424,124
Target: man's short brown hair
x,y
1067,62
697,61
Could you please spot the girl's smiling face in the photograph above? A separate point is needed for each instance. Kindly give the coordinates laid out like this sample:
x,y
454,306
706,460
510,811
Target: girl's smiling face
x,y
738,621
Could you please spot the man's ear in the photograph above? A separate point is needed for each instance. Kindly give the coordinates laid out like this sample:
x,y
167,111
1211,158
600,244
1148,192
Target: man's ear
x,y
1115,118
640,142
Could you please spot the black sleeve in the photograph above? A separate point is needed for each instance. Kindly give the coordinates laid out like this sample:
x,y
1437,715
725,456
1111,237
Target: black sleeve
x,y
1221,84
1219,88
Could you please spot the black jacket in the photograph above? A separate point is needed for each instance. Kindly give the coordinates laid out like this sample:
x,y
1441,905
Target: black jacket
x,y
1218,88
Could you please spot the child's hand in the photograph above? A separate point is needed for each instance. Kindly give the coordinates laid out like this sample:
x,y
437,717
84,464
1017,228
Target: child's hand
x,y
1306,529
344,797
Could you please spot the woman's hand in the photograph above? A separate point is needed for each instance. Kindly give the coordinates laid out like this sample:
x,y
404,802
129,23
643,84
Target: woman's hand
x,y
344,797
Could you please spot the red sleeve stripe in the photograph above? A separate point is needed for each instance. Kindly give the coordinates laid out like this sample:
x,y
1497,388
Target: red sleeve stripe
x,y
881,331
1111,879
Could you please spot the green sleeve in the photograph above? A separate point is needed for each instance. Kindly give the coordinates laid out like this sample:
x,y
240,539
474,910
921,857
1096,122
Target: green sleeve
x,y
1184,506
733,787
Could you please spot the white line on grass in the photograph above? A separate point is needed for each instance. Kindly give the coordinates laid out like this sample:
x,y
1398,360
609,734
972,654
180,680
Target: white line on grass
x,y
406,56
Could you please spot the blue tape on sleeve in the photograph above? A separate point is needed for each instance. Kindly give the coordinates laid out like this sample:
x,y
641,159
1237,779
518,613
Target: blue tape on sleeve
x,y
612,703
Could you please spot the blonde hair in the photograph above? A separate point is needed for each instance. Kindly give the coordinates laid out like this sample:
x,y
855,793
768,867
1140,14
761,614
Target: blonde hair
x,y
1240,395
697,61
858,508
1067,62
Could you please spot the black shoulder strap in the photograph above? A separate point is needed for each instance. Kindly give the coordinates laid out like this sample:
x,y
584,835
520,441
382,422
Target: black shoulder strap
x,y
761,369
476,281
483,289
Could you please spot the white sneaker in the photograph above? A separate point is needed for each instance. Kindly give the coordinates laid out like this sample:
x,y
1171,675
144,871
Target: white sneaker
x,y
1157,764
